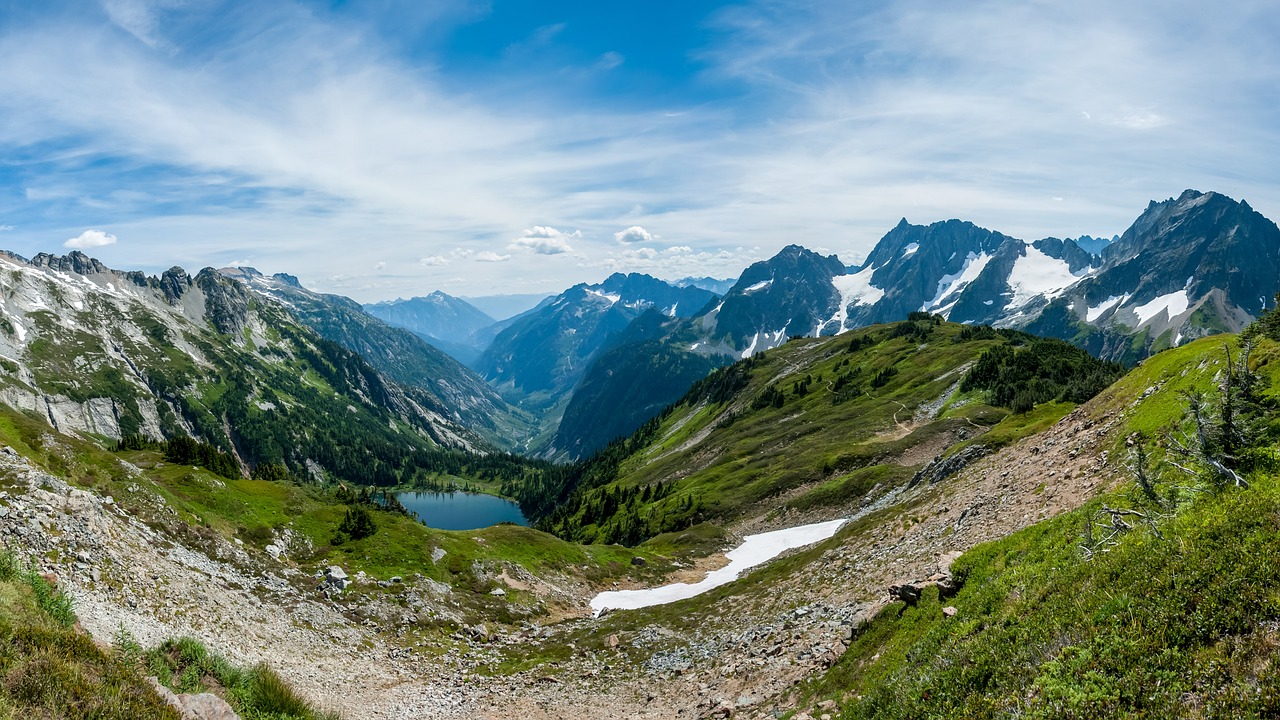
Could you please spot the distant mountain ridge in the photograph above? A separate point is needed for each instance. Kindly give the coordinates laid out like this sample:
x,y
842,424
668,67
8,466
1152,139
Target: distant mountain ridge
x,y
540,357
1188,266
1198,264
448,323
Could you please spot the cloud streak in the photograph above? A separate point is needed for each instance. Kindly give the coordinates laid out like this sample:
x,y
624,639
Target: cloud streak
x,y
296,134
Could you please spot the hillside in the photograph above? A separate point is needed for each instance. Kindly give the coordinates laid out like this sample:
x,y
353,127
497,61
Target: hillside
x,y
821,425
400,355
820,631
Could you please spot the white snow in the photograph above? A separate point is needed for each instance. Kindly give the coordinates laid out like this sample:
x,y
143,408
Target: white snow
x,y
954,283
1175,303
754,550
1038,275
694,346
854,289
752,347
1093,313
613,298
910,250
758,286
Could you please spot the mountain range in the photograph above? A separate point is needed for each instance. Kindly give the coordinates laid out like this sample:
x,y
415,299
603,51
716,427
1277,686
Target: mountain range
x,y
1198,264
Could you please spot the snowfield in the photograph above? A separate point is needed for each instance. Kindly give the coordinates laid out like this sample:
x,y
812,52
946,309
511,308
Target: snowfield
x,y
754,550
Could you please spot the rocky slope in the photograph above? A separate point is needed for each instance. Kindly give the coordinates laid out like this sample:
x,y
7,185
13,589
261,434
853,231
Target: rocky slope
x,y
111,353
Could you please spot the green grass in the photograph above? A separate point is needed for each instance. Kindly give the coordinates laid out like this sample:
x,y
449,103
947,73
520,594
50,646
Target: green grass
x,y
255,512
834,418
186,666
48,670
850,487
1180,623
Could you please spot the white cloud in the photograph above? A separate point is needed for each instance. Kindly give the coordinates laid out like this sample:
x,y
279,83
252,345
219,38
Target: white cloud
x,y
633,234
545,240
381,264
854,118
139,18
5,228
489,256
90,239
610,60
679,249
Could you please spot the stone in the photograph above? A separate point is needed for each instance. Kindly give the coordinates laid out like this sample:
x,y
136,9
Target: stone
x,y
396,579
950,611
498,592
639,561
200,706
613,641
437,554
336,578
906,592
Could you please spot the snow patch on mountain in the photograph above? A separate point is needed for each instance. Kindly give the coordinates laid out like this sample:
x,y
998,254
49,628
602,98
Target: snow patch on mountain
x,y
1093,313
855,289
909,250
758,286
955,282
1175,303
1035,274
613,298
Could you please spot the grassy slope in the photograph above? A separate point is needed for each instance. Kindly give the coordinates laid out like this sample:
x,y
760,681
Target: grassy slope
x,y
47,669
838,450
1183,624
253,511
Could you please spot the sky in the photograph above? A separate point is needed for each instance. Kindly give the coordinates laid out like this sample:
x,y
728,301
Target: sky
x,y
389,148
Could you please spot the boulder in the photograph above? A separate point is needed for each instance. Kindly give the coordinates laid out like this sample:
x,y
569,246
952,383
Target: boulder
x,y
908,593
336,577
198,706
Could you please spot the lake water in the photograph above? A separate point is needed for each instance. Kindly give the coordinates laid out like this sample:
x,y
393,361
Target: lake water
x,y
460,510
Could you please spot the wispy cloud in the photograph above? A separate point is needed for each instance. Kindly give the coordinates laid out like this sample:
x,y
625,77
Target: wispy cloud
x,y
284,133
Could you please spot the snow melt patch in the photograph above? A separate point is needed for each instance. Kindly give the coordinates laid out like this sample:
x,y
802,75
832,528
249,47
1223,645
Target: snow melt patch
x,y
1038,275
855,289
758,286
909,250
1093,313
613,298
954,283
1175,302
754,550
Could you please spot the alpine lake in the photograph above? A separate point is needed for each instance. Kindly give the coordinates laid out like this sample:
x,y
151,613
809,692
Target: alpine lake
x,y
461,510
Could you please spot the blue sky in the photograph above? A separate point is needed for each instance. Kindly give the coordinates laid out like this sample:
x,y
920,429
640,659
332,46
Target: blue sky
x,y
389,148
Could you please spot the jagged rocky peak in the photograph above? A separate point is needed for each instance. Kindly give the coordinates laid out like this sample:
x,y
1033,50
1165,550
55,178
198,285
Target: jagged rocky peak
x,y
75,261
287,279
174,283
940,241
226,302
